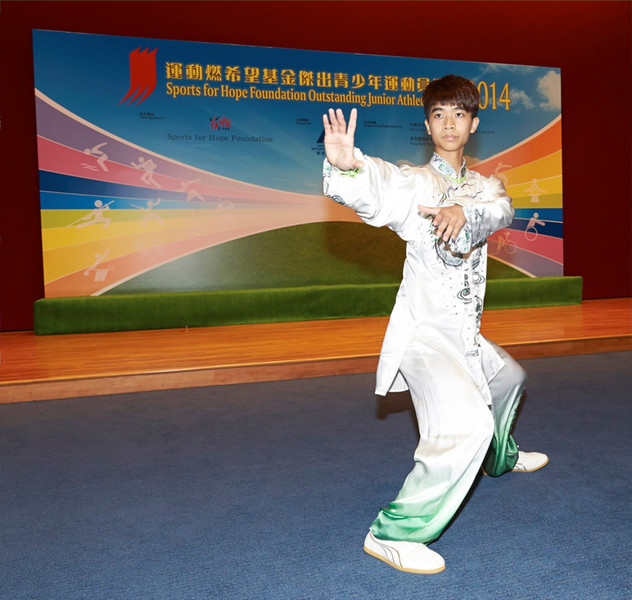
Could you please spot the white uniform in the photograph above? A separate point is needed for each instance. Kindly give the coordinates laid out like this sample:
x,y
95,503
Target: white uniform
x,y
433,344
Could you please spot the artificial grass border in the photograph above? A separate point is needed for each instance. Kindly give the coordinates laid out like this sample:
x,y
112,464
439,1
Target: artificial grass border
x,y
132,312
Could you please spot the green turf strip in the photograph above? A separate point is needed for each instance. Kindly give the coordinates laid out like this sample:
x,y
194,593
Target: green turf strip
x,y
317,271
329,253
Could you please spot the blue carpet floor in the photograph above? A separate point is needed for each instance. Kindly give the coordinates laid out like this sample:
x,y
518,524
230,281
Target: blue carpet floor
x,y
266,491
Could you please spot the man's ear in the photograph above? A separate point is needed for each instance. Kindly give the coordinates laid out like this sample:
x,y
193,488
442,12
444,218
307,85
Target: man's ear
x,y
475,122
427,126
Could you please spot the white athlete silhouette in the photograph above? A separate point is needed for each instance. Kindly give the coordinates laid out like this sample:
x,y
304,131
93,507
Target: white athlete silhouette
x,y
94,216
531,233
502,176
534,190
191,192
102,156
151,204
149,166
100,273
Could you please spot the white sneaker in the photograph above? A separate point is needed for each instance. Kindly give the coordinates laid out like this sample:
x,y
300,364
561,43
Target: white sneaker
x,y
412,557
530,461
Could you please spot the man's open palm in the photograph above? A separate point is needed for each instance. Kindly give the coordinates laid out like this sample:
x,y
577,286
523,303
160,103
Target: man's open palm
x,y
339,139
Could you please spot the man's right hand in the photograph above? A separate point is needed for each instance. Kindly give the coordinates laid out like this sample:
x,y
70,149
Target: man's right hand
x,y
339,139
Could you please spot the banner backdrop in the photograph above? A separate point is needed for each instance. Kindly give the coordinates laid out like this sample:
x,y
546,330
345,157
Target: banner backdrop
x,y
153,150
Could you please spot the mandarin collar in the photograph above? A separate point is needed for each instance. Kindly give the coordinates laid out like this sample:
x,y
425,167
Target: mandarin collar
x,y
447,170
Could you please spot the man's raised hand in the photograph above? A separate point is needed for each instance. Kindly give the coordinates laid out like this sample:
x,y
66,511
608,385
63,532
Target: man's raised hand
x,y
339,139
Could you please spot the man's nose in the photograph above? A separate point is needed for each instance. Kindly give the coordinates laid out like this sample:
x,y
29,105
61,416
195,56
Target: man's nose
x,y
448,123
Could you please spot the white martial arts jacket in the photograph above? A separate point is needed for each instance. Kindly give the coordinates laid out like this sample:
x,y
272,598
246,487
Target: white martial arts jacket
x,y
440,299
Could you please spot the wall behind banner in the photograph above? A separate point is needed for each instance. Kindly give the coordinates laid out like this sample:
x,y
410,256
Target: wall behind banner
x,y
589,41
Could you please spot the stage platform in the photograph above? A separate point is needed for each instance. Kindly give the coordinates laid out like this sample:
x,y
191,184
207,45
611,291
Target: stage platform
x,y
66,366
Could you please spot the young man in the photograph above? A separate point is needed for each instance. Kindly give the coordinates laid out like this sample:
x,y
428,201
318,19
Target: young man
x,y
465,389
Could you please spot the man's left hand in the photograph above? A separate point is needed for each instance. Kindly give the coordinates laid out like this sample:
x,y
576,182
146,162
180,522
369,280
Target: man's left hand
x,y
448,220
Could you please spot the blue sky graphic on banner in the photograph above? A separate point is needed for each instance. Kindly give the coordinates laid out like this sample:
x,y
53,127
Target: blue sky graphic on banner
x,y
151,150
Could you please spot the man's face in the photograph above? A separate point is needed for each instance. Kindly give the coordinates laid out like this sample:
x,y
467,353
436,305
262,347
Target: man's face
x,y
450,127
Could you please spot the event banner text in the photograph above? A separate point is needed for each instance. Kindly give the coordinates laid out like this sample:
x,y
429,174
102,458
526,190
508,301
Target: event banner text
x,y
240,82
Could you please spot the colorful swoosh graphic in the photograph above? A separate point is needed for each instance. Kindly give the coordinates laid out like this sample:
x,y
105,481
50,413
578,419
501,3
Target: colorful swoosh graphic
x,y
112,210
532,173
107,220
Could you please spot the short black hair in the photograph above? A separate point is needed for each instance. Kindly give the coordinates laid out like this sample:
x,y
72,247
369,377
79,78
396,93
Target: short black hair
x,y
451,90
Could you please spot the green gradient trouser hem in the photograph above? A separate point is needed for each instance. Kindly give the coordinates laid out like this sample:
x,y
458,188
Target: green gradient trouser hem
x,y
503,452
456,438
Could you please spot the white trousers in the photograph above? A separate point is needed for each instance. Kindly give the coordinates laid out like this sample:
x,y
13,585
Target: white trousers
x,y
456,427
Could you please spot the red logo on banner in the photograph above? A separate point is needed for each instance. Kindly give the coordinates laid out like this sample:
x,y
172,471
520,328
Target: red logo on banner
x,y
220,123
142,75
